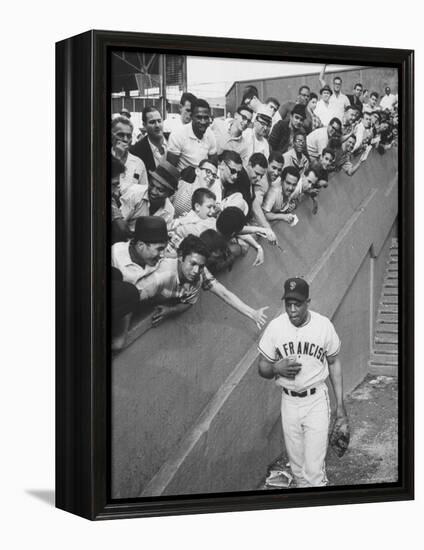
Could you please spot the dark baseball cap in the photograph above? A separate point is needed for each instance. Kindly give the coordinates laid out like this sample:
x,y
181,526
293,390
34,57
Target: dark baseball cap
x,y
296,288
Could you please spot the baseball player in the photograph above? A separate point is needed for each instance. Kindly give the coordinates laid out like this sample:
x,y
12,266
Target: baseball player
x,y
300,349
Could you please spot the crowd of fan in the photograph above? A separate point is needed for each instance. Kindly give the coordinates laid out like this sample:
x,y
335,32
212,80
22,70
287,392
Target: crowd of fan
x,y
191,195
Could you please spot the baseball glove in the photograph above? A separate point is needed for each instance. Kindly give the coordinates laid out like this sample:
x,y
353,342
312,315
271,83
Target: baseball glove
x,y
340,436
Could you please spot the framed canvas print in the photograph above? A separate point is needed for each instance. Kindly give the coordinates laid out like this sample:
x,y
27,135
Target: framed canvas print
x,y
234,275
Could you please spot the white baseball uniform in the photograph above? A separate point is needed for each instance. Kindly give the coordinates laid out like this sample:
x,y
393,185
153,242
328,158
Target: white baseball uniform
x,y
305,417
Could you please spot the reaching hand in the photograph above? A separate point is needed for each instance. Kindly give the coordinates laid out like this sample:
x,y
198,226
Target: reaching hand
x,y
259,260
259,316
268,233
160,314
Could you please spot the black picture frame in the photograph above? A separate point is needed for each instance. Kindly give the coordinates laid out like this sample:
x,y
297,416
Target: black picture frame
x,y
82,356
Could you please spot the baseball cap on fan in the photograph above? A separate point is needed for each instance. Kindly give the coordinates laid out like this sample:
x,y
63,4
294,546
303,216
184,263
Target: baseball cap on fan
x,y
296,288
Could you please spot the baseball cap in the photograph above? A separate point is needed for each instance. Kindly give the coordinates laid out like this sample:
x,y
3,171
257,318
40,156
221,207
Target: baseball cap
x,y
264,113
296,288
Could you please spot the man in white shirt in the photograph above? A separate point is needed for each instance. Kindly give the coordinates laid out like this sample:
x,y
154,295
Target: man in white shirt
x,y
364,132
135,170
323,110
229,133
194,141
372,104
257,137
317,140
388,100
338,100
175,123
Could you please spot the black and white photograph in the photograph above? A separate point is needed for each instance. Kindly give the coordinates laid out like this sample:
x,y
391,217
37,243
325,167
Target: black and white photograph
x,y
254,279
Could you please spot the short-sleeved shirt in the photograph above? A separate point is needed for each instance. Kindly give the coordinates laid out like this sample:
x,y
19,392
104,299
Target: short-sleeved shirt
x,y
387,101
135,172
131,272
316,142
262,187
190,149
132,204
226,142
324,112
135,203
164,284
338,104
343,161
275,201
311,344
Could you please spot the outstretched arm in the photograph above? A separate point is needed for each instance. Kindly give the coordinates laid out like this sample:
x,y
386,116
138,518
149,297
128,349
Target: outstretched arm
x,y
260,216
321,76
162,312
256,315
259,260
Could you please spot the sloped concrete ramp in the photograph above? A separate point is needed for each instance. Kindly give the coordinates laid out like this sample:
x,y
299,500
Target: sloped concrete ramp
x,y
189,412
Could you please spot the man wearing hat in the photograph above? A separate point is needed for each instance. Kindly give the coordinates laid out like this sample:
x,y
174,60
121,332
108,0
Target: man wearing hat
x,y
323,109
282,135
163,182
141,256
299,349
257,137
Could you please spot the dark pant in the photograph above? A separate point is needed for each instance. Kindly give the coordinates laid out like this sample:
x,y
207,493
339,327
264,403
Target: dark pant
x,y
125,297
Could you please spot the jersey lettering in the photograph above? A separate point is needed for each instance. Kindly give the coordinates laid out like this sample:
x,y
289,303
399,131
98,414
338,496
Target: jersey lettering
x,y
303,348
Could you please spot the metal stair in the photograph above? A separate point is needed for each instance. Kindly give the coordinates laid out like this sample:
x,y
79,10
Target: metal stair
x,y
384,355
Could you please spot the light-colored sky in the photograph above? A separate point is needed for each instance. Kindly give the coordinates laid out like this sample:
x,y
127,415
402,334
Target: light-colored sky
x,y
212,77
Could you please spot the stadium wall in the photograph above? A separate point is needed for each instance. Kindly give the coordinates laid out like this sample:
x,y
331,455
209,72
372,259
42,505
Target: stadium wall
x,y
285,88
189,412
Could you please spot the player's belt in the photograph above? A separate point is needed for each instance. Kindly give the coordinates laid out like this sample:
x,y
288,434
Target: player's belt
x,y
311,391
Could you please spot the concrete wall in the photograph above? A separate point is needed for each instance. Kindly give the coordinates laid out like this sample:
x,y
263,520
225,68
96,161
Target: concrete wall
x,y
285,88
353,312
189,412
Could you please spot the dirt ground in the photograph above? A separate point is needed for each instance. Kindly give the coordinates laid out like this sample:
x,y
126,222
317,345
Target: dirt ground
x,y
372,454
